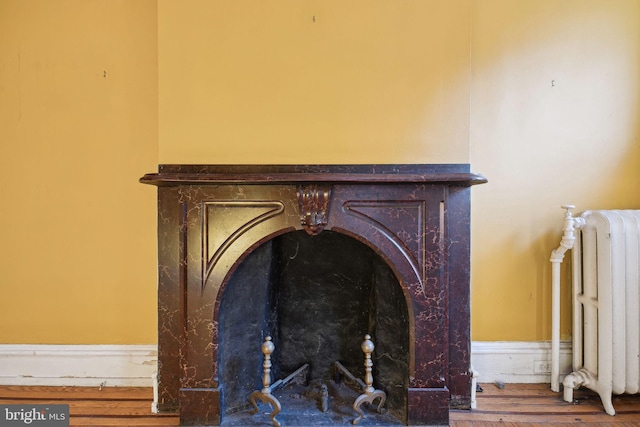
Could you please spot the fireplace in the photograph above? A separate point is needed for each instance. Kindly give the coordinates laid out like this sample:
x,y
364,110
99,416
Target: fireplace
x,y
314,257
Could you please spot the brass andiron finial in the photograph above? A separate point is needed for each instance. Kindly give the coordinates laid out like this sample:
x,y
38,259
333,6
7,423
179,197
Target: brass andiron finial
x,y
265,395
370,394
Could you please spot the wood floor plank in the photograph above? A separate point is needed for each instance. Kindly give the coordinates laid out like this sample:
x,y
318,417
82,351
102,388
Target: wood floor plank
x,y
74,393
551,419
87,403
98,422
529,423
515,405
542,406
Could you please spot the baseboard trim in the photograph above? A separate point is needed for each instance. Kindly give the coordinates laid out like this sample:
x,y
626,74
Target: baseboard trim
x,y
134,365
78,365
517,362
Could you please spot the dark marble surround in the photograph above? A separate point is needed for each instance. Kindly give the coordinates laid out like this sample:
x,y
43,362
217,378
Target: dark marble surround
x,y
226,234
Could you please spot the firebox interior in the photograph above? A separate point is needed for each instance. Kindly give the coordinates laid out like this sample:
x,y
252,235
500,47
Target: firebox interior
x,y
316,296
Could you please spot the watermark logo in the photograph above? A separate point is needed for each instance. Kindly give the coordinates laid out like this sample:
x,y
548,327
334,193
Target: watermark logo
x,y
34,415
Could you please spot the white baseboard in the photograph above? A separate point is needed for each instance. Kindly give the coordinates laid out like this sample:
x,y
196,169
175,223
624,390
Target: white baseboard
x,y
134,365
78,365
517,362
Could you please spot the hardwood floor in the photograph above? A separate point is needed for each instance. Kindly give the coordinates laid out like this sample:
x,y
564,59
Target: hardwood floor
x,y
91,406
517,405
522,405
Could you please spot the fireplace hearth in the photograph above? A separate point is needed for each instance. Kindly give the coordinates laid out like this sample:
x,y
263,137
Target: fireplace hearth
x,y
315,257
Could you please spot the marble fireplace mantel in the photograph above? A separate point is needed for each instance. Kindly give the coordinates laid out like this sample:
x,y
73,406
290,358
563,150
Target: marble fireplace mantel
x,y
414,217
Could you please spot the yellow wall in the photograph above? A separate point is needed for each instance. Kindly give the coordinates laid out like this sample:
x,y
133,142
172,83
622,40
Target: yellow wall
x,y
290,81
540,96
78,127
555,119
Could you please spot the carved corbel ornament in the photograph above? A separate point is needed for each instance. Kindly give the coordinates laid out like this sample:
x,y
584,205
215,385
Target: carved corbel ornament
x,y
314,200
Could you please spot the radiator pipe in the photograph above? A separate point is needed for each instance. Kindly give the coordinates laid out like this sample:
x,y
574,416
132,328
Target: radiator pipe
x,y
557,255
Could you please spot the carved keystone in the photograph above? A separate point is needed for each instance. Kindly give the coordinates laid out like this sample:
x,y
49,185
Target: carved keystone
x,y
313,200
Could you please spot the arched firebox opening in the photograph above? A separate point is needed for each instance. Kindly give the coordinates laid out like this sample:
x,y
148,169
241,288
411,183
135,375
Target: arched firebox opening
x,y
316,296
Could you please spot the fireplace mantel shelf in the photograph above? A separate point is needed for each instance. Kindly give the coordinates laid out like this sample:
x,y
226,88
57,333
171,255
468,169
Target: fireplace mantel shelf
x,y
172,175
